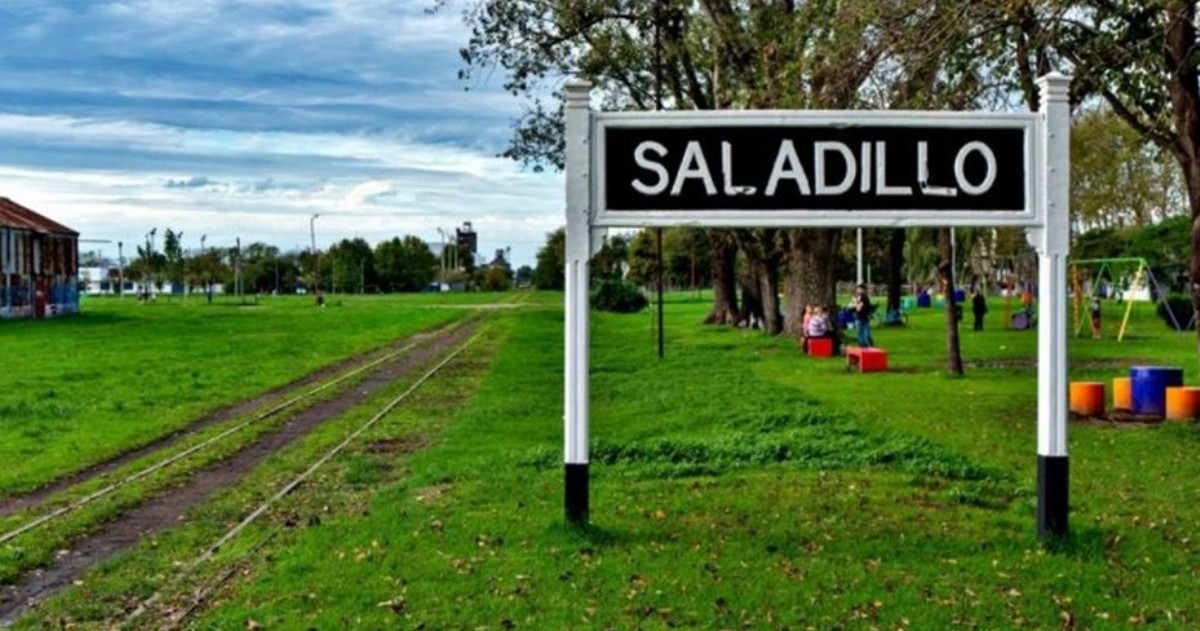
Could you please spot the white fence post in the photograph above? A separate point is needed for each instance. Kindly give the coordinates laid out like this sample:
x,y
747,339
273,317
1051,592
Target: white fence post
x,y
578,251
1053,244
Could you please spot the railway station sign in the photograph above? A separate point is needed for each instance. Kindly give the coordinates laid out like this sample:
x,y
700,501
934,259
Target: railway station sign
x,y
884,168
836,169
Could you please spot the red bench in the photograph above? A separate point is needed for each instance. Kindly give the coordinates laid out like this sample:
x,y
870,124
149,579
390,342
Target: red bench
x,y
820,346
866,359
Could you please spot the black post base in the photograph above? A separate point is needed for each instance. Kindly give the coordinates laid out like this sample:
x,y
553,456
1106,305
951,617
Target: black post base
x,y
1053,480
576,498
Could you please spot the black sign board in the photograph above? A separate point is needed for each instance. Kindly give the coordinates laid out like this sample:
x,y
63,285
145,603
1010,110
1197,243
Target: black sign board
x,y
830,167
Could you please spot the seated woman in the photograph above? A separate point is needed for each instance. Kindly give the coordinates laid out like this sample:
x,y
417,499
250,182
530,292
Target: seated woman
x,y
808,313
818,324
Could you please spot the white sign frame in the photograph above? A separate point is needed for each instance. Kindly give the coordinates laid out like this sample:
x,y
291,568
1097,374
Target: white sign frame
x,y
1047,155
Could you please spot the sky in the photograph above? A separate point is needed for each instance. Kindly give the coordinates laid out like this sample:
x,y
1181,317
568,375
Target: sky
x,y
243,118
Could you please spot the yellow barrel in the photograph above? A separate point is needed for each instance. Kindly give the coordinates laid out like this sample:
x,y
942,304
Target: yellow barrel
x,y
1183,403
1122,394
1087,398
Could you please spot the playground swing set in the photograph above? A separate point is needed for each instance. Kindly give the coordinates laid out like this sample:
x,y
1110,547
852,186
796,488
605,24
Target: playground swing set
x,y
1112,282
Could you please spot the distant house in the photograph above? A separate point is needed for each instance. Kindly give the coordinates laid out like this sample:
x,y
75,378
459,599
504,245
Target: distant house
x,y
39,264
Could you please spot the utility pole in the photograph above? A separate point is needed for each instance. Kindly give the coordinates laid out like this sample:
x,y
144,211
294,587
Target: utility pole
x,y
237,269
312,231
657,107
442,261
120,269
149,290
207,280
858,232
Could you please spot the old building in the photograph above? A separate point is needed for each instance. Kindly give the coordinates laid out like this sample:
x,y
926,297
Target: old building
x,y
39,260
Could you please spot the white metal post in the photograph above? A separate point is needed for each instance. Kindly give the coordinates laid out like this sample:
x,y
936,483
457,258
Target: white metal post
x,y
1053,244
578,250
858,236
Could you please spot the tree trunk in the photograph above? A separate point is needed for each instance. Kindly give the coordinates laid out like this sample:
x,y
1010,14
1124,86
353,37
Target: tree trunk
x,y
895,276
811,277
768,279
723,255
1184,87
761,249
954,362
752,307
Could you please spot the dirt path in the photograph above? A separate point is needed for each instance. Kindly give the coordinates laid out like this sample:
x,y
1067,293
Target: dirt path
x,y
169,508
20,501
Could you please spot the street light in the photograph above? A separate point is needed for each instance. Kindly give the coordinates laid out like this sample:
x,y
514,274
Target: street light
x,y
312,231
120,269
149,289
208,287
442,268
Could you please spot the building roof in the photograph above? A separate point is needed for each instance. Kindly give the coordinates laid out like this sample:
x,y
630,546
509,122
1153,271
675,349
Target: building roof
x,y
14,215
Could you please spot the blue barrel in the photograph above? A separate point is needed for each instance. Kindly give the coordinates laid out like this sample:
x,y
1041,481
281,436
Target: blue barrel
x,y
923,300
1148,385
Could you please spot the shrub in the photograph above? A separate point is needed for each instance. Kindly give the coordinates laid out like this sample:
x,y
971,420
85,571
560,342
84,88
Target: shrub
x,y
1181,307
618,296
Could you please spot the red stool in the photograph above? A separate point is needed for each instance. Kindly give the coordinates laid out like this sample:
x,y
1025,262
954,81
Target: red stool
x,y
866,359
820,346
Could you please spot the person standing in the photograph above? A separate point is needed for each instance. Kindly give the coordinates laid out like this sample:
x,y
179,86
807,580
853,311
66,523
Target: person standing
x,y
862,316
1094,309
979,308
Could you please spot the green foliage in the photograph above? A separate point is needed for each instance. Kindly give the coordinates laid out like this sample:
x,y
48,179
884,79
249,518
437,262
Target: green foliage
x,y
1118,177
551,262
351,266
1166,246
618,296
610,262
686,260
524,276
405,264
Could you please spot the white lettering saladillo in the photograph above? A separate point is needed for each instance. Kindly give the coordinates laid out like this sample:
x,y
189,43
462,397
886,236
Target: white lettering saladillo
x,y
881,185
787,166
692,166
923,175
870,169
820,148
989,158
730,188
639,157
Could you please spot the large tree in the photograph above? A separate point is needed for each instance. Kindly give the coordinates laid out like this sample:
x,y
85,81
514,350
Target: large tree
x,y
349,266
712,54
405,264
551,261
1139,57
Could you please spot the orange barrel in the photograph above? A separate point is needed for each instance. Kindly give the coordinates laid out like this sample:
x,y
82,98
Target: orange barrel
x,y
1122,394
1183,403
1087,398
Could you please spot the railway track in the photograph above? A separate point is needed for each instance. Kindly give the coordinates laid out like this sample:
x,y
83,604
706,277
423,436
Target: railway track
x,y
290,403
177,617
132,523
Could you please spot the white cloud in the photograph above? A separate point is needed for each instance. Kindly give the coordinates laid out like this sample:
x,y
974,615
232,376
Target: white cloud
x,y
243,117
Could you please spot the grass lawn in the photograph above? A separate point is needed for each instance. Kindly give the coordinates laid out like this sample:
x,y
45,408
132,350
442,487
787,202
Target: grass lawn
x,y
736,484
79,390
